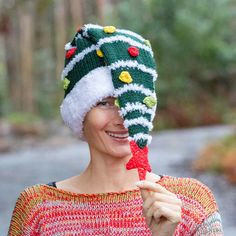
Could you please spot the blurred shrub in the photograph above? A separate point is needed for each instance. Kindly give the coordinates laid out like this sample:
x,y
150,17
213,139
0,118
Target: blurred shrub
x,y
219,157
22,118
25,124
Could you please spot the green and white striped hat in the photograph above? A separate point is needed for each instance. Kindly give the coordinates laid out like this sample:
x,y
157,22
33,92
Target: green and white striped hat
x,y
105,61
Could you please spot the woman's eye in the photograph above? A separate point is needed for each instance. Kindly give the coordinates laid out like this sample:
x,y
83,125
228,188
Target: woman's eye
x,y
103,103
106,104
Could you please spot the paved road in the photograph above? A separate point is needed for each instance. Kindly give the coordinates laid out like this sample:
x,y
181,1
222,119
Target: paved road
x,y
170,153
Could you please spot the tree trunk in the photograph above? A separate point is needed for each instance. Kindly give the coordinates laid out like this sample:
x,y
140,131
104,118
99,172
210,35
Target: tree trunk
x,y
25,13
11,57
76,11
60,35
100,6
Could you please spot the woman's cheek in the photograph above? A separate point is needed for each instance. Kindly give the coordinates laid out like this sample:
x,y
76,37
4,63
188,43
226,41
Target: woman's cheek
x,y
101,120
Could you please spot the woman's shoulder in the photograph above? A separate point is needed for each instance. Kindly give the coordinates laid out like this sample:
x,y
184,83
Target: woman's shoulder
x,y
34,193
27,203
192,192
185,185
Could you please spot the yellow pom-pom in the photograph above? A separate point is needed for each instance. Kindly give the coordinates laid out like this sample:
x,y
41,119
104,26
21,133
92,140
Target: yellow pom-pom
x,y
99,53
109,29
66,83
125,77
147,42
117,103
150,101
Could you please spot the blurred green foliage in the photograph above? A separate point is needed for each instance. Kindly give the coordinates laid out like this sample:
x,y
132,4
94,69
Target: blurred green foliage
x,y
229,141
194,44
22,118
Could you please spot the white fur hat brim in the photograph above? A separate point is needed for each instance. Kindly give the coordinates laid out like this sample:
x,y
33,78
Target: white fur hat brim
x,y
90,89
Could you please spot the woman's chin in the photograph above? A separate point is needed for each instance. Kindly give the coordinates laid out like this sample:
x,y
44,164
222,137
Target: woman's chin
x,y
121,152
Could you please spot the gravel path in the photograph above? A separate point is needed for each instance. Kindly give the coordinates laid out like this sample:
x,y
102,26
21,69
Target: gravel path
x,y
171,153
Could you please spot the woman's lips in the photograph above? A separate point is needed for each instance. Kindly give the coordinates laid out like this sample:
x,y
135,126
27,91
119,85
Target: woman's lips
x,y
121,136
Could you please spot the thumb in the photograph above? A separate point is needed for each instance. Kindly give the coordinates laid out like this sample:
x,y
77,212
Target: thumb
x,y
145,193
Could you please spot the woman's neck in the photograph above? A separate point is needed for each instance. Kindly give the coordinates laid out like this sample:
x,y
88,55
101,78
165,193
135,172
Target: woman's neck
x,y
105,174
111,179
108,173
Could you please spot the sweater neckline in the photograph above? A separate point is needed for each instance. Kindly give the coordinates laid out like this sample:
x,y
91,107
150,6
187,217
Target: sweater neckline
x,y
67,193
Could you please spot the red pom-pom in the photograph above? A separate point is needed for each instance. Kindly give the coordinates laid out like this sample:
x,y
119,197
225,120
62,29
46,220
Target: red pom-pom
x,y
79,29
133,51
70,53
139,160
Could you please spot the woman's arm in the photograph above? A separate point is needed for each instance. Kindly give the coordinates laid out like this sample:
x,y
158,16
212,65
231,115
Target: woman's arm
x,y
25,209
18,217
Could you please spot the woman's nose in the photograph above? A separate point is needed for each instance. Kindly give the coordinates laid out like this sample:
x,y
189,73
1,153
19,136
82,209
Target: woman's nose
x,y
118,120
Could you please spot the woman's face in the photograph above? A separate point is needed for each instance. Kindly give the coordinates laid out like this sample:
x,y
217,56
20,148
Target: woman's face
x,y
104,129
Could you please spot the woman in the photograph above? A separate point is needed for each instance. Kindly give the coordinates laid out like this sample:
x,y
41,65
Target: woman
x,y
110,102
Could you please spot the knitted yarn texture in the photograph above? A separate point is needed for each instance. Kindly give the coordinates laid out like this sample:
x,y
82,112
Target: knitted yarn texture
x,y
105,61
44,210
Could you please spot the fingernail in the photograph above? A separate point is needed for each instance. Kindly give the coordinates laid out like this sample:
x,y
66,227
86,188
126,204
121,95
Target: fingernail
x,y
139,183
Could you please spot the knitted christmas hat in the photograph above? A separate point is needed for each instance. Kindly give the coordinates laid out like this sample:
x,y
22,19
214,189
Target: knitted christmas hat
x,y
105,61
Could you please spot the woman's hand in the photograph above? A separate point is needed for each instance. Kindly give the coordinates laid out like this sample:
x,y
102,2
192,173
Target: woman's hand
x,y
161,208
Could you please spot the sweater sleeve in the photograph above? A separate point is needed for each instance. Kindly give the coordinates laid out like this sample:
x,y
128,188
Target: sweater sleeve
x,y
25,207
200,212
210,226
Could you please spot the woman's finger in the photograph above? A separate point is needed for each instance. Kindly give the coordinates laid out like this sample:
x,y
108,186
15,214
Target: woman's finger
x,y
145,194
160,197
159,206
153,187
158,210
147,213
171,214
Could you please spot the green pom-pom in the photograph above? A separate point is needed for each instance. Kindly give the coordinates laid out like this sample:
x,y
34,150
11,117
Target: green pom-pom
x,y
147,42
66,83
150,101
117,103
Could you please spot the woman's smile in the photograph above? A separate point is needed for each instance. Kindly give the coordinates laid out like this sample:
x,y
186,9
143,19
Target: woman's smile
x,y
104,130
118,136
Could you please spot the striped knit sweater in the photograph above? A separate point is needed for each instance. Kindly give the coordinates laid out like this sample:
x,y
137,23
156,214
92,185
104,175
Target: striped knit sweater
x,y
46,210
